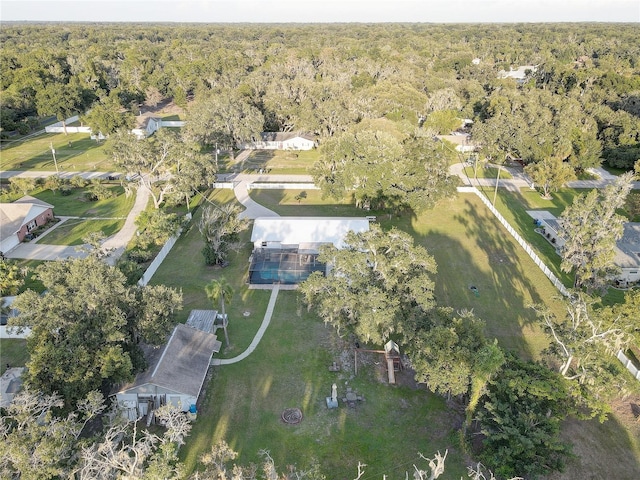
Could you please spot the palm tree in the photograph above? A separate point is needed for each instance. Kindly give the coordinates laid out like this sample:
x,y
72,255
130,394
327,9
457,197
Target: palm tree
x,y
220,290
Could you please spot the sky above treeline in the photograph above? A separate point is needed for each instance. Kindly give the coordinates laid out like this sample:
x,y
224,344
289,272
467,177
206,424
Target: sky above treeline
x,y
321,11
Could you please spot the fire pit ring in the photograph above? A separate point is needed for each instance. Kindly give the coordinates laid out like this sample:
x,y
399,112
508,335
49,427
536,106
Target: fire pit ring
x,y
292,416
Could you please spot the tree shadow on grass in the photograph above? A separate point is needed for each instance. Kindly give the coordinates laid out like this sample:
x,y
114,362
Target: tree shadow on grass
x,y
37,153
472,249
602,450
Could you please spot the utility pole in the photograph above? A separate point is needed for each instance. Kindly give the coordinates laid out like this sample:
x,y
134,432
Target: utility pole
x,y
55,162
497,182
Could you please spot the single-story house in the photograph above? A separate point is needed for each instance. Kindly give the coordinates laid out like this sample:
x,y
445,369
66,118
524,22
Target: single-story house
x,y
175,375
461,141
146,126
286,248
628,253
519,74
281,141
627,248
304,233
18,218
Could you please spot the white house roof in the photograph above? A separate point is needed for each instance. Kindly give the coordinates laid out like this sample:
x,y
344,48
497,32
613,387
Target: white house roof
x,y
519,73
628,251
181,365
14,215
284,136
306,230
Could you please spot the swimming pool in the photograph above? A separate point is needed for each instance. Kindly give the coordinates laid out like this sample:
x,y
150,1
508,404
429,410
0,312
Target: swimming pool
x,y
284,268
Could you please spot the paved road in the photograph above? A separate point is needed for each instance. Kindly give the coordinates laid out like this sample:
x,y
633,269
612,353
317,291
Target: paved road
x,y
64,174
521,180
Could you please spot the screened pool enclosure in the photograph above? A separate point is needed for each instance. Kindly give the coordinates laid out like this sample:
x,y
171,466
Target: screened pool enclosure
x,y
282,266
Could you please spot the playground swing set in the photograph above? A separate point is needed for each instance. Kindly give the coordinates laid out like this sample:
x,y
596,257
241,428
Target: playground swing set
x,y
391,353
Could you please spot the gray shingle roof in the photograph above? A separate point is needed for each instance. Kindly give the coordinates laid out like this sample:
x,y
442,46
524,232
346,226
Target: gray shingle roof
x,y
182,364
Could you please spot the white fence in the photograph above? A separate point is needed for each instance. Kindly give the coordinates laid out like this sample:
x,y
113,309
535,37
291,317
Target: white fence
x,y
550,275
160,257
12,332
58,128
172,123
227,185
527,248
628,364
282,186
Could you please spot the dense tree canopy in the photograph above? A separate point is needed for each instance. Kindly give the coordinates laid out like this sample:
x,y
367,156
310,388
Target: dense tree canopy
x,y
236,80
86,327
165,164
379,285
385,169
520,418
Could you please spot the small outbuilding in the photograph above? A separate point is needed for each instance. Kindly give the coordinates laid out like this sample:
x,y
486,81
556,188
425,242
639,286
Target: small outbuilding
x,y
19,218
175,375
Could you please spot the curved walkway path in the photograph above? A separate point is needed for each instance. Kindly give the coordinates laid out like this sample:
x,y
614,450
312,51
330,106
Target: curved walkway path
x,y
117,243
258,335
252,208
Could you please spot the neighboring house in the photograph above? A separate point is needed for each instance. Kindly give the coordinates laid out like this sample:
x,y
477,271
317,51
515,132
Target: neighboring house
x,y
10,384
281,141
146,126
627,248
175,375
286,248
628,253
462,142
19,218
519,74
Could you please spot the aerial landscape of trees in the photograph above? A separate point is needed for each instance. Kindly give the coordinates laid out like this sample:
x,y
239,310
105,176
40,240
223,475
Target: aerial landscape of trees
x,y
376,98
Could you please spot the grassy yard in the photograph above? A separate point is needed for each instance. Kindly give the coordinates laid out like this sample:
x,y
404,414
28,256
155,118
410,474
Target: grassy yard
x,y
73,231
306,203
76,205
243,401
274,161
13,352
484,171
75,152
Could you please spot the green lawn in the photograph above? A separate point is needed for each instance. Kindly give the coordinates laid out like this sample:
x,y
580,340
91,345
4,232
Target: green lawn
x,y
471,248
274,161
310,203
289,369
76,205
73,231
75,152
243,402
486,172
13,351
